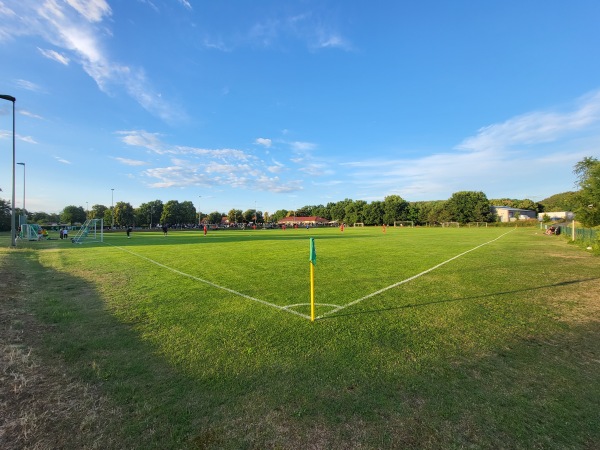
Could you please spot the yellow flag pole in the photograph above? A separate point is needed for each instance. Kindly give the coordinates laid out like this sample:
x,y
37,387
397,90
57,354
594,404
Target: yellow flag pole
x,y
312,292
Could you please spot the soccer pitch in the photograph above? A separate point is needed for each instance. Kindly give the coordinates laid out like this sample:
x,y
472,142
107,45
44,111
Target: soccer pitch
x,y
270,267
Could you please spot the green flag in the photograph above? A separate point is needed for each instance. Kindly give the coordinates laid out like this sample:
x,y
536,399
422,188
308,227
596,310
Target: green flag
x,y
313,252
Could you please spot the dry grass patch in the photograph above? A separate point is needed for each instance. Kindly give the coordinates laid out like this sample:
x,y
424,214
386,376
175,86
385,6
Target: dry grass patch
x,y
42,406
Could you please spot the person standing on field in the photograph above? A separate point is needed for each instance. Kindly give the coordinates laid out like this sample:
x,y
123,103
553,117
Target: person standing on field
x,y
129,228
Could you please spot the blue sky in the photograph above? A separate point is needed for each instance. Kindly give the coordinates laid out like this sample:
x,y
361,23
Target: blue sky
x,y
278,104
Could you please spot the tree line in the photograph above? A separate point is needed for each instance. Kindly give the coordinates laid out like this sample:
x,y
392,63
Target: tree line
x,y
462,207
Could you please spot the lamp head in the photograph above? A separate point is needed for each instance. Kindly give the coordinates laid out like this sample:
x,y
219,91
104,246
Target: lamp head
x,y
10,98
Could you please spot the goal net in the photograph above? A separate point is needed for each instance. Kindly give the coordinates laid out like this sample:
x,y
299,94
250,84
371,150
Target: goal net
x,y
30,232
450,224
359,224
404,223
91,230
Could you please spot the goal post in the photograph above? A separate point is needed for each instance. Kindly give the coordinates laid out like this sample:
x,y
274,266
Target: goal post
x,y
404,223
358,224
477,224
450,224
91,230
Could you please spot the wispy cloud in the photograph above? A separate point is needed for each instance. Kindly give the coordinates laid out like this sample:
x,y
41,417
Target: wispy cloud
x,y
131,162
79,30
196,166
273,32
54,55
186,4
24,112
28,85
8,135
62,160
302,146
536,127
535,144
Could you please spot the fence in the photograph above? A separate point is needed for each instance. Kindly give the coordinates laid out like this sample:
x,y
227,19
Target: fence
x,y
585,235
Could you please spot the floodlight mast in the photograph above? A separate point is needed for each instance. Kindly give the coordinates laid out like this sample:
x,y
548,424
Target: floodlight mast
x,y
13,235
23,164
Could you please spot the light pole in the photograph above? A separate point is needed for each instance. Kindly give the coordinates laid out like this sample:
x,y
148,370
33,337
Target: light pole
x,y
199,212
23,164
13,236
112,208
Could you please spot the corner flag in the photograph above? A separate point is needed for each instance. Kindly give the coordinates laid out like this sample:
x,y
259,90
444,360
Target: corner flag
x,y
313,252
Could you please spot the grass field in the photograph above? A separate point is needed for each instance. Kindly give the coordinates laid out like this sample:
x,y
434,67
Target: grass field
x,y
424,338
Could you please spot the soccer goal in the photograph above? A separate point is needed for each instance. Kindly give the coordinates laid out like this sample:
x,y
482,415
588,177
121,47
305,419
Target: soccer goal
x,y
450,224
30,232
91,230
478,224
404,223
358,224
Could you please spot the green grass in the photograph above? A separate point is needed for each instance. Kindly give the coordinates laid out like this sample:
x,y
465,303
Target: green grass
x,y
497,348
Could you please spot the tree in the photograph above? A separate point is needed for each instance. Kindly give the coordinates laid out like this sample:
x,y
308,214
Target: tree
x,y
187,210
373,213
565,201
5,215
353,212
215,217
149,213
170,213
97,212
72,214
395,208
588,197
234,215
124,215
469,206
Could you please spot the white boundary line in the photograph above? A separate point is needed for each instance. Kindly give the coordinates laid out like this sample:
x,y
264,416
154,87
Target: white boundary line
x,y
231,291
287,308
380,291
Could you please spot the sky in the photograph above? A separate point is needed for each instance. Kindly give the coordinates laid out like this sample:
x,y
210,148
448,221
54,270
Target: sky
x,y
279,104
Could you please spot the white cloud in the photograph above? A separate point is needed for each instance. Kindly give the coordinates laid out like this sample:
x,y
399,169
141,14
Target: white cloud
x,y
528,148
302,146
141,138
277,167
28,85
263,141
194,166
27,139
536,127
60,24
131,162
62,160
30,114
54,55
92,10
186,4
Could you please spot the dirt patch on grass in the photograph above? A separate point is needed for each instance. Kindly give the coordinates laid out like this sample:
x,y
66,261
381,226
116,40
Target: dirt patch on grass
x,y
42,407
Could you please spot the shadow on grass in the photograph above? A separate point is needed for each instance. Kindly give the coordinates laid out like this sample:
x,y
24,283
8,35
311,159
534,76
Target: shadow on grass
x,y
332,392
461,299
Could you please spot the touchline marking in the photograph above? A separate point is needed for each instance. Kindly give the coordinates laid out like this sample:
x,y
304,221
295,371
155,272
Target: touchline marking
x,y
231,291
380,291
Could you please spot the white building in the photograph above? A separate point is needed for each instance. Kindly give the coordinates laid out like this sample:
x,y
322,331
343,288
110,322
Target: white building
x,y
507,214
556,216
